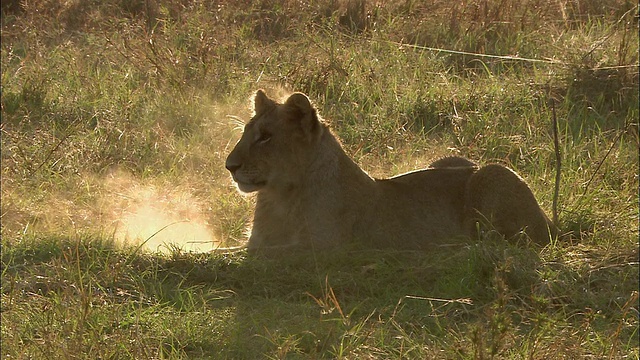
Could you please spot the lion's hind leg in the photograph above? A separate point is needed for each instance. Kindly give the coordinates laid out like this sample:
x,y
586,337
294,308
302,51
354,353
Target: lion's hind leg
x,y
497,197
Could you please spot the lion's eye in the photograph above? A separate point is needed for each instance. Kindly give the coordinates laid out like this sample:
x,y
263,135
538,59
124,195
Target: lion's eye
x,y
263,138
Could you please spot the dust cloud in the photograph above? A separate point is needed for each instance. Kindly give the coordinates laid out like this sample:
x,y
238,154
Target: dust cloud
x,y
194,209
161,215
160,218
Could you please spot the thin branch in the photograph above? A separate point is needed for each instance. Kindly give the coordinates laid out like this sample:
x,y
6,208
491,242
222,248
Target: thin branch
x,y
556,147
505,57
615,141
46,159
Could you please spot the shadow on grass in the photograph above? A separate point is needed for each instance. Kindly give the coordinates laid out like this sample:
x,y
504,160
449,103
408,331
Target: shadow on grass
x,y
334,303
465,300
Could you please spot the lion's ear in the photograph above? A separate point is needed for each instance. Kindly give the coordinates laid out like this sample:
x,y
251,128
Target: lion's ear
x,y
299,102
262,102
299,108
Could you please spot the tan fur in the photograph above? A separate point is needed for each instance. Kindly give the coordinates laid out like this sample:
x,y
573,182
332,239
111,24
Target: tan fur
x,y
311,195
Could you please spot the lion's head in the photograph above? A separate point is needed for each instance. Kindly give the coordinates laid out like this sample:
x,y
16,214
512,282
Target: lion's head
x,y
276,145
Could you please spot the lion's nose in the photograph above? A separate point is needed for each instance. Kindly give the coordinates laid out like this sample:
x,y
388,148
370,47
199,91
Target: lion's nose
x,y
231,166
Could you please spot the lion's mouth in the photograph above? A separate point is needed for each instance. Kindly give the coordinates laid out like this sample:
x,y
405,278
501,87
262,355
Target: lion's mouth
x,y
248,187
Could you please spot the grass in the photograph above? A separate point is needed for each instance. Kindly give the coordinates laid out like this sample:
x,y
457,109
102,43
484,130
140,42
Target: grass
x,y
117,118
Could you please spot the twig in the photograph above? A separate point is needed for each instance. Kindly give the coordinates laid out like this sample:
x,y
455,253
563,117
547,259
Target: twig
x,y
135,251
615,141
46,159
504,57
445,302
611,32
465,301
556,147
491,56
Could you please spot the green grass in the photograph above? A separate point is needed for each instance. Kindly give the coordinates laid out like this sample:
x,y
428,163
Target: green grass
x,y
118,116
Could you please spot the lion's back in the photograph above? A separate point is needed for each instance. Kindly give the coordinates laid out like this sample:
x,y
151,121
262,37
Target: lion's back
x,y
419,208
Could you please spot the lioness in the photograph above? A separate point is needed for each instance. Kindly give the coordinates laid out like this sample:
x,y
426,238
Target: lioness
x,y
311,195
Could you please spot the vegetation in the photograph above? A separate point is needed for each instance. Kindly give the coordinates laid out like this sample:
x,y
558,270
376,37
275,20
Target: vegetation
x,y
117,117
